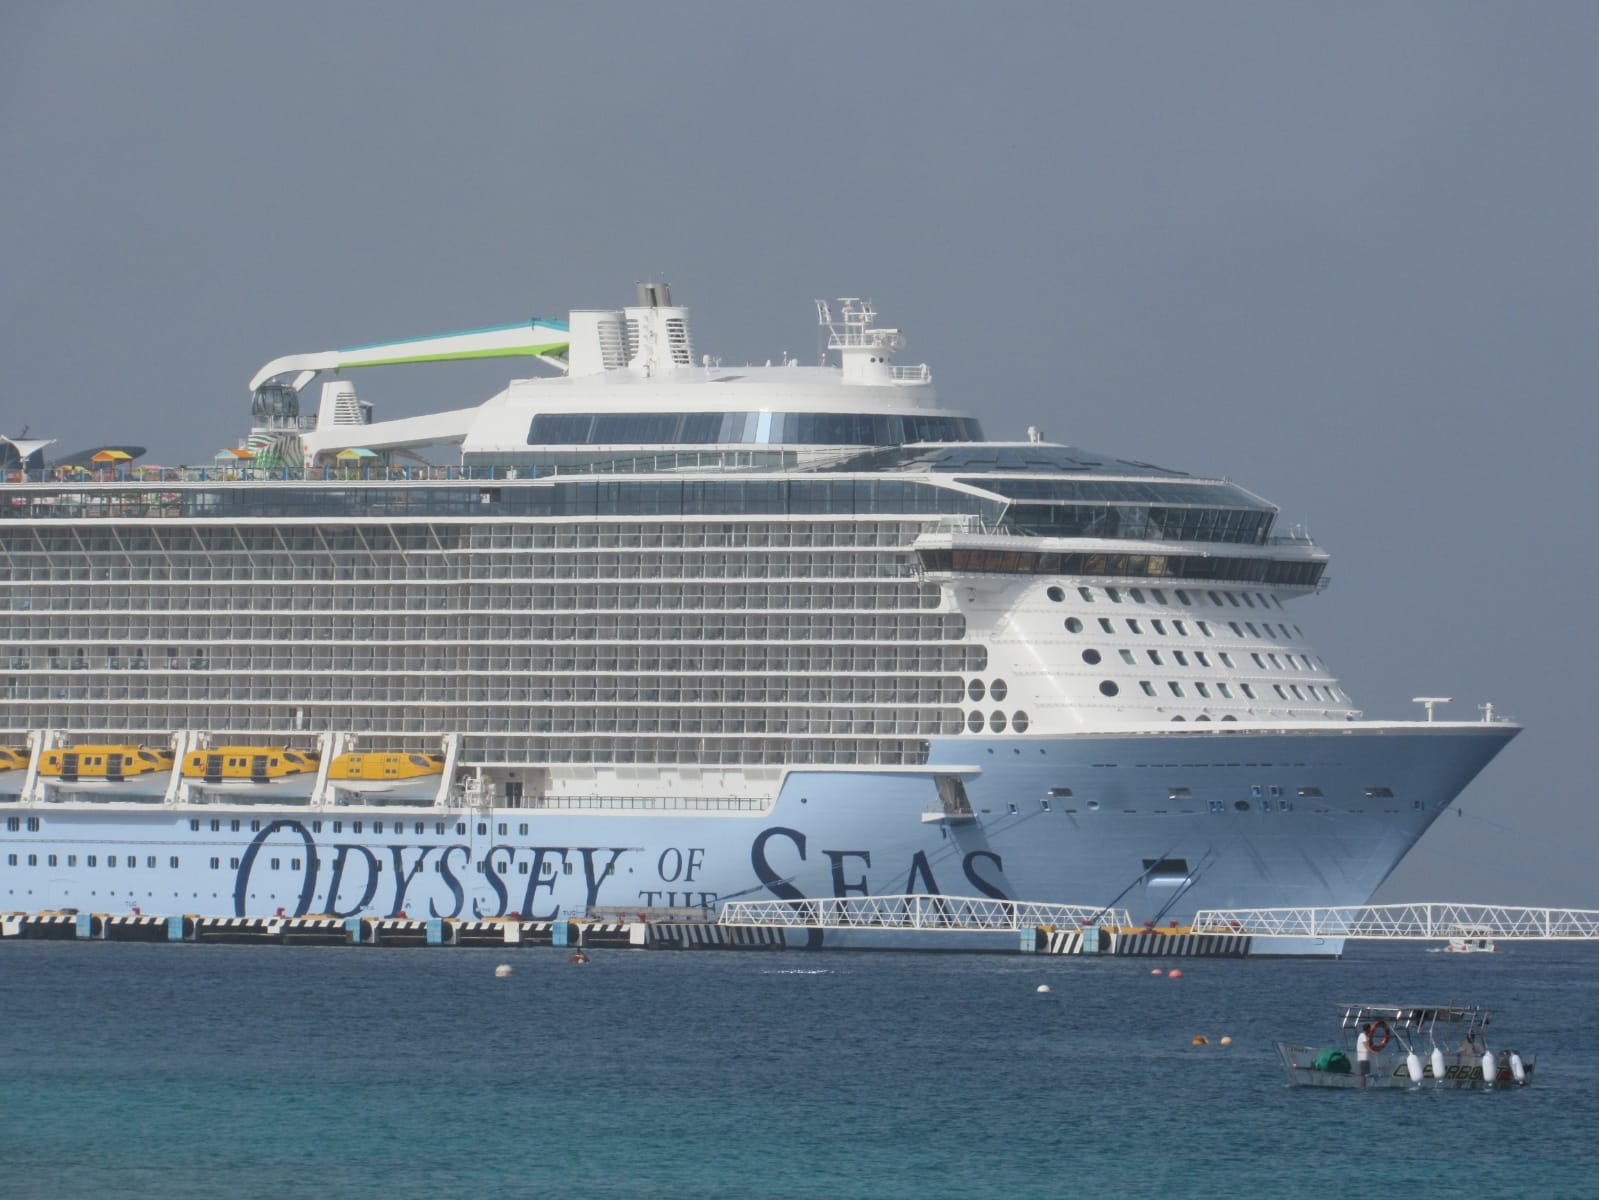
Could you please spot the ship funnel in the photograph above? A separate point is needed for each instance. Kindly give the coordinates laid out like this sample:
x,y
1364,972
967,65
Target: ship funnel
x,y
657,332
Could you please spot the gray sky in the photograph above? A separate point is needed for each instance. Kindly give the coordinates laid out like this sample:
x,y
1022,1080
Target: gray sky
x,y
1347,255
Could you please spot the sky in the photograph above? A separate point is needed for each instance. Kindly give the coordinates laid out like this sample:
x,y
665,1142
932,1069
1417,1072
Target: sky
x,y
1346,255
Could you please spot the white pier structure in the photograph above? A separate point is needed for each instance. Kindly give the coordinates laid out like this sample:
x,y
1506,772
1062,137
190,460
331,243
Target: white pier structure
x,y
1416,922
950,914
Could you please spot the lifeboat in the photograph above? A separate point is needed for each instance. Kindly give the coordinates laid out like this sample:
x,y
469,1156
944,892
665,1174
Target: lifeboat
x,y
393,775
127,769
13,766
239,771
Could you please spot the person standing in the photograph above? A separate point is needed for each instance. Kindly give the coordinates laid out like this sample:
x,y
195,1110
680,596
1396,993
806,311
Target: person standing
x,y
1363,1056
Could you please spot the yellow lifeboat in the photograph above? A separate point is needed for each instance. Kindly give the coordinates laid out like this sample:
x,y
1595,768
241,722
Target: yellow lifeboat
x,y
398,775
258,770
126,768
13,758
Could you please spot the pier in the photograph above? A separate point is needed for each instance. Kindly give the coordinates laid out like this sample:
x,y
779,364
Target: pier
x,y
912,921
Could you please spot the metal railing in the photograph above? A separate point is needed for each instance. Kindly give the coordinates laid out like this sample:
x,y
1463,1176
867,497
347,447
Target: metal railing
x,y
1418,922
950,914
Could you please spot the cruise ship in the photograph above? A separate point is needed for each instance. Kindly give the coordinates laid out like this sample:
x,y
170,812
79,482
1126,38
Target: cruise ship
x,y
664,632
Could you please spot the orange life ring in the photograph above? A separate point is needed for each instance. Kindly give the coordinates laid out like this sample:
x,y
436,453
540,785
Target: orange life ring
x,y
1377,1034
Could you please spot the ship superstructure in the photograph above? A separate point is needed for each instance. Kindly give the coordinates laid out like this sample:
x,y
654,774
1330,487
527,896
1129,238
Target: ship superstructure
x,y
668,631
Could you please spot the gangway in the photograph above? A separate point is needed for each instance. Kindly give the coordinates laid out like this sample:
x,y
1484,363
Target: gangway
x,y
1416,922
951,914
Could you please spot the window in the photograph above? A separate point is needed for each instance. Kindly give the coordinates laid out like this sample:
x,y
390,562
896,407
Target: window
x,y
996,722
975,690
1226,692
1133,627
1203,690
1182,598
1379,793
1176,688
1104,623
1148,688
1127,657
975,722
1247,690
1086,594
1108,688
1154,657
1182,629
1204,628
1226,659
1055,594
1020,721
998,690
1199,657
1159,627
1310,792
1073,625
194,825
1060,791
1182,659
1090,656
1114,594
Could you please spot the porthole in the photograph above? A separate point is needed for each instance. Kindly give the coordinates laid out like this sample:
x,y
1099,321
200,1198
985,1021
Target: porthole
x,y
1093,806
1073,625
975,722
1138,596
997,722
1019,722
974,689
997,690
1241,805
1090,656
1108,688
1056,594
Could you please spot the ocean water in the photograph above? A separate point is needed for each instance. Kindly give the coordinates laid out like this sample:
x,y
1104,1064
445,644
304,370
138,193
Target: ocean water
x,y
208,1071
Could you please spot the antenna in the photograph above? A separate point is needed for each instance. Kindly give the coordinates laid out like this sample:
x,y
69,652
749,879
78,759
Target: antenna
x,y
1430,702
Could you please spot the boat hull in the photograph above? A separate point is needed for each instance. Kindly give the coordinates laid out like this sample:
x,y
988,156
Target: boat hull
x,y
1462,1071
1116,840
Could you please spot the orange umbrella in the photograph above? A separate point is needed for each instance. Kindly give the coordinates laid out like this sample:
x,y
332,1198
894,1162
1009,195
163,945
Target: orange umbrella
x,y
111,456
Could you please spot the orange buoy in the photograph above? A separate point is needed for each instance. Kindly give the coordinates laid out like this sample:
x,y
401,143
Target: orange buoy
x,y
1174,973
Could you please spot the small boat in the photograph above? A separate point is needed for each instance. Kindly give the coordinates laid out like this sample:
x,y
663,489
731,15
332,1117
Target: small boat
x,y
396,775
277,771
128,769
1407,1046
1471,941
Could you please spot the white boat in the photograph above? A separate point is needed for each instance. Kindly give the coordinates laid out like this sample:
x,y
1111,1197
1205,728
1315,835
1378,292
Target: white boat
x,y
1471,941
1408,1046
690,632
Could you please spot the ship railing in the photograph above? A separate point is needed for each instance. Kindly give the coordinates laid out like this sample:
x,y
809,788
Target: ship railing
x,y
920,373
1417,922
951,914
652,803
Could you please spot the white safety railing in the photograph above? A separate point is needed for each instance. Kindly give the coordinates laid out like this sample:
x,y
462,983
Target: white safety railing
x,y
1400,921
917,911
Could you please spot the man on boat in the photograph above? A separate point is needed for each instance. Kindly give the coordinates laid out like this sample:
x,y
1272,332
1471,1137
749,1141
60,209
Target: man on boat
x,y
1363,1057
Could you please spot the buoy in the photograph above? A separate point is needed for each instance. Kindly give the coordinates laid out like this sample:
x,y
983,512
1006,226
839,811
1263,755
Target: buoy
x,y
1227,1041
1413,1066
1157,971
1174,973
1489,1072
1042,988
1201,1040
1437,1063
1518,1069
580,958
502,971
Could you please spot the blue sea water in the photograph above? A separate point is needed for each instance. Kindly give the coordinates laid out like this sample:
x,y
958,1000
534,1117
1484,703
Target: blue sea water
x,y
206,1071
